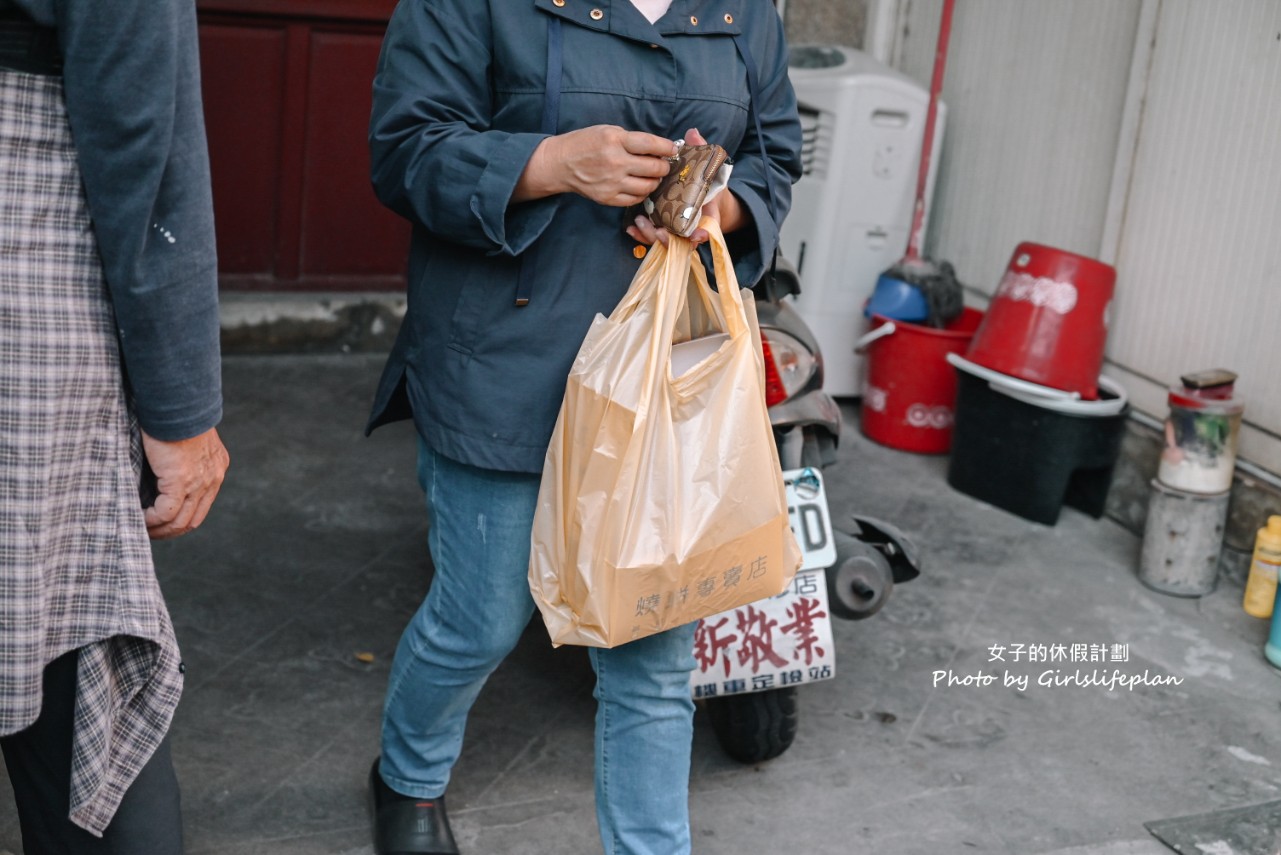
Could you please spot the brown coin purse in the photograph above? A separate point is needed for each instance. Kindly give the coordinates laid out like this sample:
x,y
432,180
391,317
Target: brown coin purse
x,y
698,173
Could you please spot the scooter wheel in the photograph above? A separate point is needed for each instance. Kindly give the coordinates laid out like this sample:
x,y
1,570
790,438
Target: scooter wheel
x,y
860,583
755,727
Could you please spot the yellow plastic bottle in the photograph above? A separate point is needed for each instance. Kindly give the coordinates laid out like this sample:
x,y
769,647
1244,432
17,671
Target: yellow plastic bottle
x,y
1261,586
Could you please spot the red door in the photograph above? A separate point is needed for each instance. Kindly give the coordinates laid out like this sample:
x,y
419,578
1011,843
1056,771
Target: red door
x,y
287,101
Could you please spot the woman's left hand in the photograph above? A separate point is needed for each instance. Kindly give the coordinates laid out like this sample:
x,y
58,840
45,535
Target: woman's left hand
x,y
725,209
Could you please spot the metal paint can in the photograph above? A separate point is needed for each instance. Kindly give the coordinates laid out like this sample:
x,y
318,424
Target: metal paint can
x,y
1182,540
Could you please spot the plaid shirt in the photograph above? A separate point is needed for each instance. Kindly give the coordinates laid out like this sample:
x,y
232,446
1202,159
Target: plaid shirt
x,y
75,562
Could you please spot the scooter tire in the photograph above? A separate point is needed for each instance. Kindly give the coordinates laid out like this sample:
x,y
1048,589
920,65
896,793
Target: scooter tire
x,y
757,726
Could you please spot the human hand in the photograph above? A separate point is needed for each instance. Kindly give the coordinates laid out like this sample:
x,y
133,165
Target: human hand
x,y
643,230
604,163
189,473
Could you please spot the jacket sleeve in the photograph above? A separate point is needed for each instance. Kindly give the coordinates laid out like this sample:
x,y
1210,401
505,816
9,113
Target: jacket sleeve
x,y
781,128
131,79
435,158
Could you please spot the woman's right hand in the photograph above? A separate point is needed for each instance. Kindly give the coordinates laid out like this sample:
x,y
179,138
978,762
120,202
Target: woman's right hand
x,y
604,163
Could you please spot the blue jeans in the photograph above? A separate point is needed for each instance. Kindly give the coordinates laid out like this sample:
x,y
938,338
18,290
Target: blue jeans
x,y
478,606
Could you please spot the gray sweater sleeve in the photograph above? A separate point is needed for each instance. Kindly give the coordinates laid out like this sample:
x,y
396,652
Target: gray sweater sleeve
x,y
132,82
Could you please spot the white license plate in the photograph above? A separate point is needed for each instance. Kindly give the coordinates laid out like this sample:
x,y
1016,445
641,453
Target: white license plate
x,y
784,640
811,522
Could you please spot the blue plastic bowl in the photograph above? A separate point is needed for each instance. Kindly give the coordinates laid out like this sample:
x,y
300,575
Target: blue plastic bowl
x,y
897,300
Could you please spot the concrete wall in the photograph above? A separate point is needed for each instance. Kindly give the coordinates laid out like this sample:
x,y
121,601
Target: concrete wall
x,y
842,22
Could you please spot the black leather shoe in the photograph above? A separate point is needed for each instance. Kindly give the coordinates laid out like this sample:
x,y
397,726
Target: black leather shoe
x,y
404,825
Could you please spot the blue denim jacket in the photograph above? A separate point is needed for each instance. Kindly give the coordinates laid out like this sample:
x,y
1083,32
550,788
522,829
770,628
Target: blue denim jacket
x,y
458,99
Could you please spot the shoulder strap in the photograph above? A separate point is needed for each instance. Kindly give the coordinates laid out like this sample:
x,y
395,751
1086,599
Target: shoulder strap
x,y
754,89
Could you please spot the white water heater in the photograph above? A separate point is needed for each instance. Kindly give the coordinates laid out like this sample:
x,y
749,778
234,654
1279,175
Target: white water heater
x,y
862,124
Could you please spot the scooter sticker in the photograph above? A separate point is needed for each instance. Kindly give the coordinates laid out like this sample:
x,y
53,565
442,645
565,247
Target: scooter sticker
x,y
809,517
783,641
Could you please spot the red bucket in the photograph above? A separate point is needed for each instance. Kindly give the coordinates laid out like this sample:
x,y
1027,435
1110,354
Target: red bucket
x,y
1048,320
910,396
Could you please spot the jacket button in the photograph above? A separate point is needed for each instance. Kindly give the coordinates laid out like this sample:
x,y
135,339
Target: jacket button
x,y
639,250
597,14
693,19
729,19
558,2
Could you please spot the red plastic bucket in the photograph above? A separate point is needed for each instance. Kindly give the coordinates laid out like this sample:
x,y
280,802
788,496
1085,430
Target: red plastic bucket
x,y
1047,322
910,396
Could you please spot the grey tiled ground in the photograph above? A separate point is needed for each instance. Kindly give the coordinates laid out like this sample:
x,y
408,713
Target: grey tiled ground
x,y
315,553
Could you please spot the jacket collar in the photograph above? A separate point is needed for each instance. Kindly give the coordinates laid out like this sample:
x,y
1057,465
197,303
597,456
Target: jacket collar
x,y
685,17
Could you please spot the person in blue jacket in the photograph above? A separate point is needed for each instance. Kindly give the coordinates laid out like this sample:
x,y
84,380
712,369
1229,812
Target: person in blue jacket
x,y
514,135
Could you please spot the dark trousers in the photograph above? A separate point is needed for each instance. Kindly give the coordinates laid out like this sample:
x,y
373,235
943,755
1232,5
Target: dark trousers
x,y
148,822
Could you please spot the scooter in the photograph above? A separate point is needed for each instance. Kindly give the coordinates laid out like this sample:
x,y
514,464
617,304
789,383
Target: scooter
x,y
751,660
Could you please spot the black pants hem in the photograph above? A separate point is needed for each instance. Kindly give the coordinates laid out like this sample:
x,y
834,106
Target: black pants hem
x,y
149,819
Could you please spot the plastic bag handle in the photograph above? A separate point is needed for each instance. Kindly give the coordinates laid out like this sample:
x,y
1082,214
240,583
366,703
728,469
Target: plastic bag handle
x,y
646,285
669,306
664,297
731,298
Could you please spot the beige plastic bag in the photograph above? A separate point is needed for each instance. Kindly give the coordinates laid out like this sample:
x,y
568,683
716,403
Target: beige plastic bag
x,y
662,500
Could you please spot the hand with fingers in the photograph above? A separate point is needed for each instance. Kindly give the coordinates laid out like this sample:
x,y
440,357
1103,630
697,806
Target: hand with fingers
x,y
725,209
604,163
189,473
